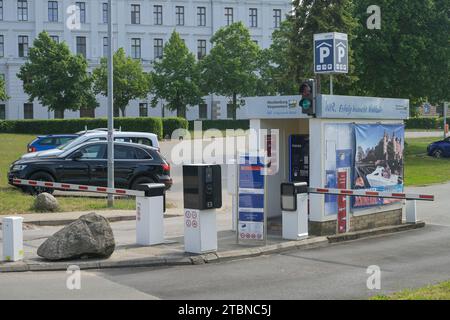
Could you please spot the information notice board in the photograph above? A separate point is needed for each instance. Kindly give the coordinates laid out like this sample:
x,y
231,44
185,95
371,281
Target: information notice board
x,y
251,198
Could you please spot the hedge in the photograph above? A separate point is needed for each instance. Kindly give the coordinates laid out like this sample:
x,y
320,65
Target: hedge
x,y
153,125
173,123
425,123
222,124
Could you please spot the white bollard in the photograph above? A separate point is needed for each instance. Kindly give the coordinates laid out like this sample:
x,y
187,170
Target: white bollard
x,y
200,231
411,211
12,238
295,223
150,215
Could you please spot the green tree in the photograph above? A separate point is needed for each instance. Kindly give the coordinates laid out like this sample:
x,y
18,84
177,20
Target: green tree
x,y
130,81
292,47
409,57
3,94
56,77
230,69
176,77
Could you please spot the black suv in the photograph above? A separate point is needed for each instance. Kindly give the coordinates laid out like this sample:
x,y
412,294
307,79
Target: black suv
x,y
86,164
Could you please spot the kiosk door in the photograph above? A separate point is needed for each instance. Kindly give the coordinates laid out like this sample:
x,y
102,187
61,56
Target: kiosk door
x,y
299,158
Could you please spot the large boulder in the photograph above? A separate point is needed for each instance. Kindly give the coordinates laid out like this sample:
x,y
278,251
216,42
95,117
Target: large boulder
x,y
90,236
45,202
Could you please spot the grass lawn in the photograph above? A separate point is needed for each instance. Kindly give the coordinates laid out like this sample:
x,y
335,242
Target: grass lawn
x,y
13,201
421,169
439,291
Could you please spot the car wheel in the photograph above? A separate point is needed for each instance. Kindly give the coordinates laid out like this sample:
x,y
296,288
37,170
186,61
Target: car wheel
x,y
437,153
41,176
141,180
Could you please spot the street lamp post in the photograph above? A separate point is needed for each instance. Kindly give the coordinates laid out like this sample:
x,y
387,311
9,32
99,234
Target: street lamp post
x,y
110,107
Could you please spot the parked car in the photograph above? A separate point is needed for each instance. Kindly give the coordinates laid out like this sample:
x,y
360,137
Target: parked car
x,y
51,141
144,138
439,148
86,164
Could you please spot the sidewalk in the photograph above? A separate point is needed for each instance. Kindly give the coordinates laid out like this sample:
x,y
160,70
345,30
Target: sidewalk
x,y
171,253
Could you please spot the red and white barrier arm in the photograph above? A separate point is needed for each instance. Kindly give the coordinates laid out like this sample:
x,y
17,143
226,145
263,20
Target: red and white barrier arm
x,y
77,187
368,193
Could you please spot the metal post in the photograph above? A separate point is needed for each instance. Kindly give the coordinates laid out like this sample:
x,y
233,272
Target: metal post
x,y
445,117
266,196
331,84
110,107
236,191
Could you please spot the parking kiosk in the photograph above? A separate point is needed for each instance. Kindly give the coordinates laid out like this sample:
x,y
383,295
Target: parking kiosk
x,y
356,142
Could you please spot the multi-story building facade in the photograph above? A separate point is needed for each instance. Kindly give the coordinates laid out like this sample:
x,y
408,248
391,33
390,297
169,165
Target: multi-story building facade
x,y
141,27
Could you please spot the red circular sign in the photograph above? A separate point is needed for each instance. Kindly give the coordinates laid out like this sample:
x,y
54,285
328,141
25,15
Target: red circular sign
x,y
188,214
188,223
242,235
247,235
194,223
194,215
253,236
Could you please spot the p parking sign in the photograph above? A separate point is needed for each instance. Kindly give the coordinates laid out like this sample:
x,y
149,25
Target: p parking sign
x,y
331,53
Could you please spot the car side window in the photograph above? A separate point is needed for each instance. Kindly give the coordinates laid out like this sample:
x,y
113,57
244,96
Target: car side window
x,y
95,151
144,141
142,154
47,142
124,153
63,140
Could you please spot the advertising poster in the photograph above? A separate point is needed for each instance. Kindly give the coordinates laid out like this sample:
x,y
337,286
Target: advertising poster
x,y
339,158
251,199
378,161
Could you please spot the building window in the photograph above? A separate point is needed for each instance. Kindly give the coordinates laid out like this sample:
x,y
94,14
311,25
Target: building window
x,y
2,46
105,46
105,12
201,16
276,18
23,46
135,14
82,7
201,48
59,114
202,111
55,38
229,16
143,110
158,48
81,46
87,113
53,11
136,48
253,17
179,15
231,111
157,13
2,112
28,111
22,10
1,10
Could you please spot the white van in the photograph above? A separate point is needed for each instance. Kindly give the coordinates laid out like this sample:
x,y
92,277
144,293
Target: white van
x,y
145,138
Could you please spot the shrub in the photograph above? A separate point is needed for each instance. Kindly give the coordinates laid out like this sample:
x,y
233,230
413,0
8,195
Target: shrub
x,y
222,124
173,123
153,125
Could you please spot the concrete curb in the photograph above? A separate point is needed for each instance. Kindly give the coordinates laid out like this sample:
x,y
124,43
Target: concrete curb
x,y
213,257
375,232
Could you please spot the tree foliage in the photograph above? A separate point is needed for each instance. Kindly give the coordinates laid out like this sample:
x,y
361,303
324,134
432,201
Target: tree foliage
x,y
130,81
291,51
56,77
230,69
409,57
176,77
3,94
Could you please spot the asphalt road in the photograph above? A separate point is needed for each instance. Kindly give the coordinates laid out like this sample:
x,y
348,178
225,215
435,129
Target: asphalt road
x,y
407,260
